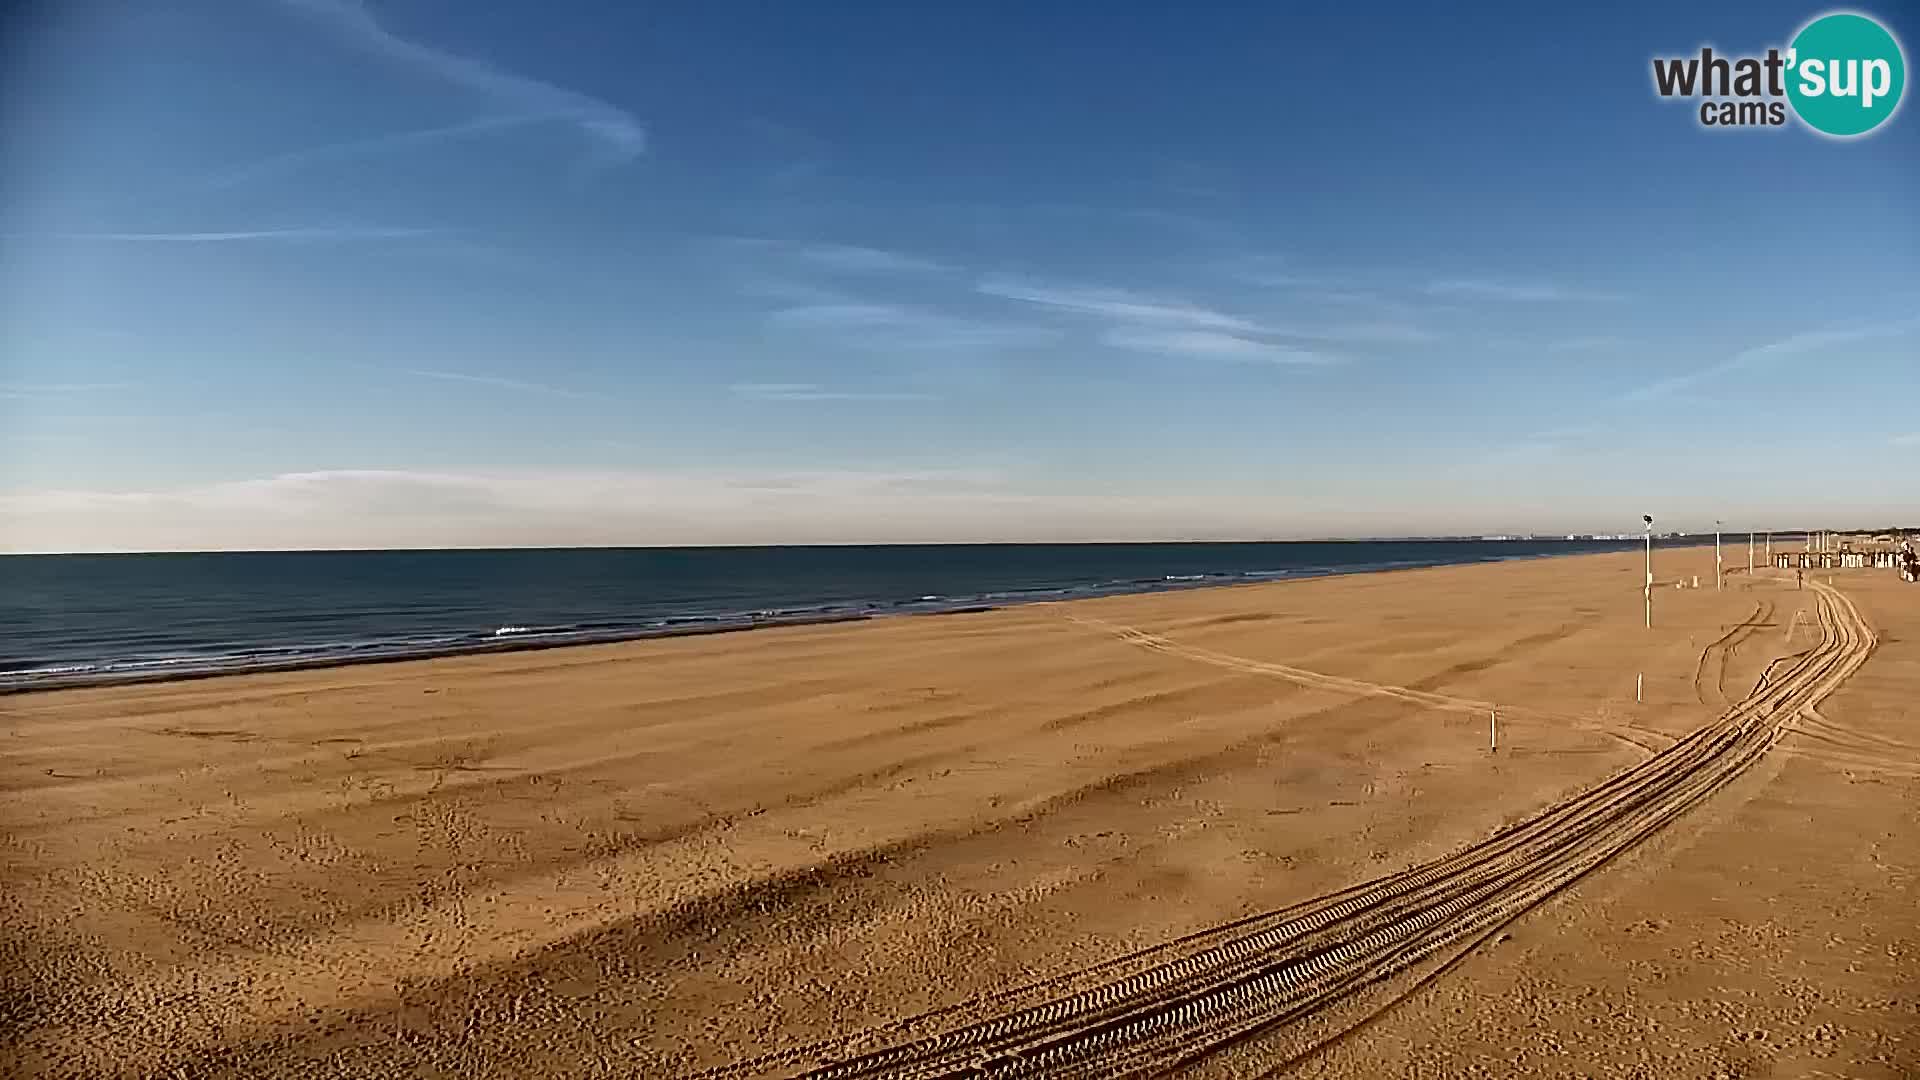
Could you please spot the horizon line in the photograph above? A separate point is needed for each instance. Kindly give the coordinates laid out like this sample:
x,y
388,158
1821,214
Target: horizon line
x,y
1477,538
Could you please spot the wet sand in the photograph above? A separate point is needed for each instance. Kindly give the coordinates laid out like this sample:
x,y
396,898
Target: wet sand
x,y
652,858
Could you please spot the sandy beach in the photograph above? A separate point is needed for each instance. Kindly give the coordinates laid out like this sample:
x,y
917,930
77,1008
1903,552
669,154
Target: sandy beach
x,y
656,858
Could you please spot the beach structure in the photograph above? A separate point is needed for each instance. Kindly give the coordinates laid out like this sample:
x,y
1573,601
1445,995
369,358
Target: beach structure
x,y
1837,553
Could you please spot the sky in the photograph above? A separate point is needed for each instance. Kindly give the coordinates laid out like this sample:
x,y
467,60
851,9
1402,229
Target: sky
x,y
316,273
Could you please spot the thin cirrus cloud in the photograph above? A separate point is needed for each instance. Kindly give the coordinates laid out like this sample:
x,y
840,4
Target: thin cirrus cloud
x,y
615,132
1568,432
498,382
816,392
297,234
38,390
1371,333
1120,305
1401,316
1812,341
1266,271
842,315
40,397
896,326
1588,343
295,161
1164,324
853,258
1210,344
1519,292
388,508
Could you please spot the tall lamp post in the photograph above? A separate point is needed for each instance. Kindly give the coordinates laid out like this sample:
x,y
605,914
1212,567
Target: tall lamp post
x,y
1648,518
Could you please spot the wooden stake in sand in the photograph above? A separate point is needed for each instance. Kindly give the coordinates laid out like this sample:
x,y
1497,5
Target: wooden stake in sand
x,y
1639,686
1493,735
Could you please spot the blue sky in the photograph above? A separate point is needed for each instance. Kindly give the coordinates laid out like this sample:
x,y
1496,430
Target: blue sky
x,y
312,273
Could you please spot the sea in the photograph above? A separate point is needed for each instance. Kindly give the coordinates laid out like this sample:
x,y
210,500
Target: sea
x,y
83,619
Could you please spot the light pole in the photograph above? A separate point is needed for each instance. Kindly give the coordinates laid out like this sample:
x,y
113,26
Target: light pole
x,y
1648,518
1716,554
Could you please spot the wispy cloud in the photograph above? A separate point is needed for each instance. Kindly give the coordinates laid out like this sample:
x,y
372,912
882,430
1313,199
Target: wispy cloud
x,y
499,382
374,508
1194,228
1588,343
1196,179
856,259
843,315
299,234
1210,344
1793,345
1116,304
1369,333
1520,292
616,133
800,156
1264,270
896,326
1160,323
40,391
62,388
1376,305
295,161
816,392
1568,431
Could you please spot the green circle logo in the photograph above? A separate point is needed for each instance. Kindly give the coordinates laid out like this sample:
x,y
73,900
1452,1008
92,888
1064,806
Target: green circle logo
x,y
1845,73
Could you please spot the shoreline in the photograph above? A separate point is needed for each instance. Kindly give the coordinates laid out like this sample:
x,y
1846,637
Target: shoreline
x,y
517,643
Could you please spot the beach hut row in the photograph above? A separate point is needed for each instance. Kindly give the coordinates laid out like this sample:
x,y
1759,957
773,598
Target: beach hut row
x,y
1838,560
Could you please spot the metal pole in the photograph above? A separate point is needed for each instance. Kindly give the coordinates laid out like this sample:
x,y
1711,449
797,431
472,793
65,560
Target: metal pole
x,y
1716,554
1493,735
1749,553
1649,575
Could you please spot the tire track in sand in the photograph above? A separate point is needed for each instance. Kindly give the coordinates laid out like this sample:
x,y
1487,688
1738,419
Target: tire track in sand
x,y
1342,684
1156,1010
1715,657
1853,749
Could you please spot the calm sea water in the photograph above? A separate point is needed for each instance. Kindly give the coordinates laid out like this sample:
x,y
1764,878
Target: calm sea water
x,y
89,618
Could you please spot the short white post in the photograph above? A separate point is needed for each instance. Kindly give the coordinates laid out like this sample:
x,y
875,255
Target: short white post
x,y
1493,735
1639,687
